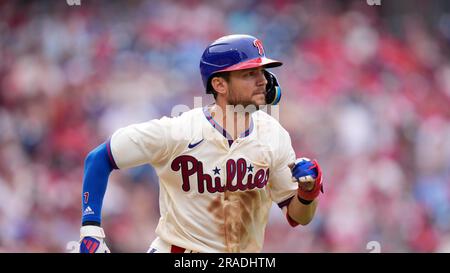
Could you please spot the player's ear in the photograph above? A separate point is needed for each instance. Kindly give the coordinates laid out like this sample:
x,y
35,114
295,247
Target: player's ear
x,y
219,84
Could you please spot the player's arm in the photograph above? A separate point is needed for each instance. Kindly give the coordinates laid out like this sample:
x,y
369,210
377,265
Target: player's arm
x,y
301,213
97,167
129,147
308,175
295,184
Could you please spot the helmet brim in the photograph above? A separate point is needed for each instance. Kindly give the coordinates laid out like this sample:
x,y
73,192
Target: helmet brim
x,y
253,63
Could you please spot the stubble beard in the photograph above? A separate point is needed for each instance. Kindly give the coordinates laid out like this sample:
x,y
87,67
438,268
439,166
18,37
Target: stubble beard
x,y
249,105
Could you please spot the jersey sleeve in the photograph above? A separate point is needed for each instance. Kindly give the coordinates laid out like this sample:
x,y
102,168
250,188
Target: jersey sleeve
x,y
281,187
141,143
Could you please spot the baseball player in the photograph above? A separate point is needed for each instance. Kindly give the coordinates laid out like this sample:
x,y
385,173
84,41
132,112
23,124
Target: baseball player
x,y
217,179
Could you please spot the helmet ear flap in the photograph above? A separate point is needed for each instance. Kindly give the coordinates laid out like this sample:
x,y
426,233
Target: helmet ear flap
x,y
273,89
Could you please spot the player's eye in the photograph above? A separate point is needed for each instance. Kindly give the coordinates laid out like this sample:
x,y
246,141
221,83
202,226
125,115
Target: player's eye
x,y
252,73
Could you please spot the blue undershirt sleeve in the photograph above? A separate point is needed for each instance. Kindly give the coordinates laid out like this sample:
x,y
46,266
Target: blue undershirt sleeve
x,y
98,165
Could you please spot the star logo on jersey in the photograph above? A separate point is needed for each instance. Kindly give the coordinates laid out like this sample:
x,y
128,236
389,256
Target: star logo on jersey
x,y
250,168
216,171
192,145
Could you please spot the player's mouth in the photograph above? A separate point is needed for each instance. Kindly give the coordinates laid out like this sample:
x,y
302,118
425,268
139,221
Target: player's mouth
x,y
260,92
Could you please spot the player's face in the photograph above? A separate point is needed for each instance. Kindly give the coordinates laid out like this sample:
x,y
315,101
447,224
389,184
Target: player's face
x,y
247,87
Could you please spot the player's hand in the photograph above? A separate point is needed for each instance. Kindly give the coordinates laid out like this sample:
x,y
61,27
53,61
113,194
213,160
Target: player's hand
x,y
92,240
308,175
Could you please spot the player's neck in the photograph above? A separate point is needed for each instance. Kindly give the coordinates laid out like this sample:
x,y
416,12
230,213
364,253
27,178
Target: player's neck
x,y
234,122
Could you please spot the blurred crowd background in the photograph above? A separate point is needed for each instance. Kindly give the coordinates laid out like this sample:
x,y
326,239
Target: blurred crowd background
x,y
366,92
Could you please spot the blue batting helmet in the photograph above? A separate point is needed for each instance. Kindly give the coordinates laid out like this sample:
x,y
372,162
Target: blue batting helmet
x,y
233,52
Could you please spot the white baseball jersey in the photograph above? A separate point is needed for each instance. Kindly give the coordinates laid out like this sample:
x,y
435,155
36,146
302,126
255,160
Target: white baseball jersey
x,y
215,193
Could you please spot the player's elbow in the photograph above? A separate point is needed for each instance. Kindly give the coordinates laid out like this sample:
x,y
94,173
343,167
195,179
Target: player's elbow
x,y
89,158
99,159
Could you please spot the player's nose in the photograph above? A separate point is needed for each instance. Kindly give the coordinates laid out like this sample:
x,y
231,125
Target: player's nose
x,y
261,80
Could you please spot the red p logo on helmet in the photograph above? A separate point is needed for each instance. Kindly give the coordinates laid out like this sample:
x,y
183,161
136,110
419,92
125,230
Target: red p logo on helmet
x,y
258,44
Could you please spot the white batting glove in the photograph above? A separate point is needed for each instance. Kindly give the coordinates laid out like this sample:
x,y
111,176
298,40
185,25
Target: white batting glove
x,y
92,240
